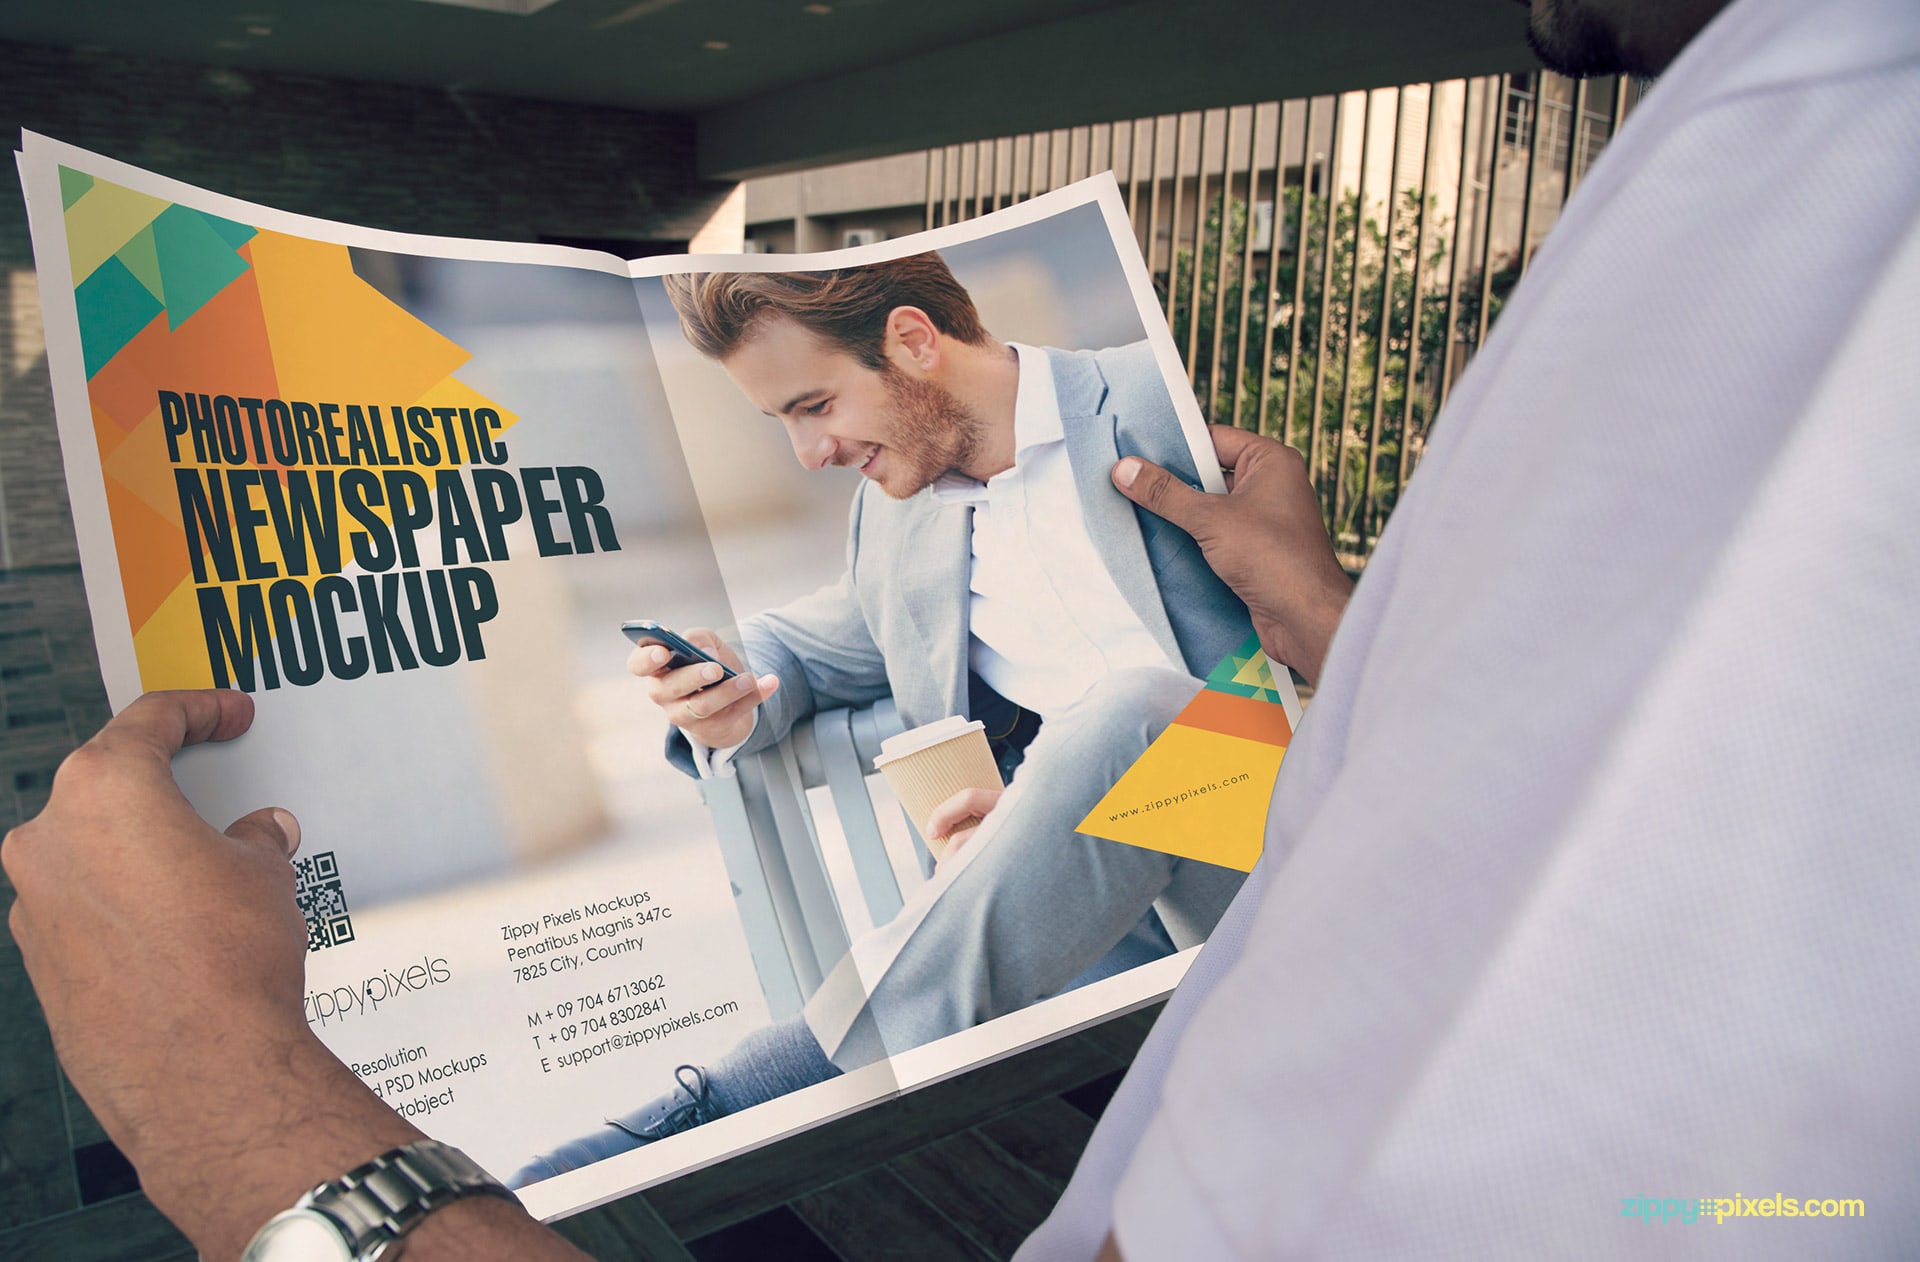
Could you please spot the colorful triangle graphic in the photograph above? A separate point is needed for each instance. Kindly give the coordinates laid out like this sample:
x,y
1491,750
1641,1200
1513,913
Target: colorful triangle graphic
x,y
1202,788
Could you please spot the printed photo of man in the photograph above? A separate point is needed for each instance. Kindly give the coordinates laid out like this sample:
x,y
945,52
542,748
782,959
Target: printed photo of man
x,y
992,572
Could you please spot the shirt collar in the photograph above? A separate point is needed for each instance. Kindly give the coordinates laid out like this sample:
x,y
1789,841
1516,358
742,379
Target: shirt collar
x,y
1036,407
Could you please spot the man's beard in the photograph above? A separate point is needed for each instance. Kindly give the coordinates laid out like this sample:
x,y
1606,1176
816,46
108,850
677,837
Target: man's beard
x,y
1573,41
933,432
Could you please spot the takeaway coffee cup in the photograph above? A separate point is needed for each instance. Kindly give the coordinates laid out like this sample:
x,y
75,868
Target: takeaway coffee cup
x,y
930,764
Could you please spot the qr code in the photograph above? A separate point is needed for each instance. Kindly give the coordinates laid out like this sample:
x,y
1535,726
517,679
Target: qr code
x,y
316,888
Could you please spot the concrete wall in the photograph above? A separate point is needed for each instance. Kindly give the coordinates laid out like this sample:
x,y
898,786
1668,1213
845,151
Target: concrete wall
x,y
413,159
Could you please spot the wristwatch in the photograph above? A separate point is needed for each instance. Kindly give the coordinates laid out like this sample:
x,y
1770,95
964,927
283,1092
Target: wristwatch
x,y
360,1216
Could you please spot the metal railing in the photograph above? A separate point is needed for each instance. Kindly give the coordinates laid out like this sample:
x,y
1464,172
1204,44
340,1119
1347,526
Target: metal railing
x,y
1327,265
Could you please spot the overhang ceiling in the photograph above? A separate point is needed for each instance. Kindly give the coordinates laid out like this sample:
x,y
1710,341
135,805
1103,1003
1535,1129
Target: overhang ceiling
x,y
779,84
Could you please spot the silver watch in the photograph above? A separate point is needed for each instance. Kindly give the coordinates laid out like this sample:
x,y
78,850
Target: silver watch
x,y
360,1216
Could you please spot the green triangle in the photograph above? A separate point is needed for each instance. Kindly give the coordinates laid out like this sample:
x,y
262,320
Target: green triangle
x,y
112,306
143,260
73,185
197,260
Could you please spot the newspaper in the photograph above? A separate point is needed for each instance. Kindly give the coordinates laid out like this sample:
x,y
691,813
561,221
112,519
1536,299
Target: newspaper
x,y
406,490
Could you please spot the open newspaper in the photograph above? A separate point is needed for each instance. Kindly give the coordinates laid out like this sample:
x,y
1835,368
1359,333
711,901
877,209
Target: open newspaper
x,y
406,491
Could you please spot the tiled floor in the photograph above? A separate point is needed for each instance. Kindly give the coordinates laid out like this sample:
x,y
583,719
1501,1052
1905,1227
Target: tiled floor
x,y
958,1171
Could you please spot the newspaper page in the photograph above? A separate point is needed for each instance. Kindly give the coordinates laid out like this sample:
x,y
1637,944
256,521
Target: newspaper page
x,y
408,491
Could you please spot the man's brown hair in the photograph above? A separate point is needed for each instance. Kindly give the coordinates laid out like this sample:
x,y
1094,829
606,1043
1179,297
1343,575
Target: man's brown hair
x,y
848,306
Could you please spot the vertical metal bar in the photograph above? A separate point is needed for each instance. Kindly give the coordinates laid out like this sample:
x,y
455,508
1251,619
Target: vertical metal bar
x,y
927,219
1299,268
1332,178
1173,223
953,184
1199,254
1153,194
990,189
1533,156
1460,231
1073,149
1220,270
946,183
1246,253
1353,321
960,182
1033,163
1486,243
1273,263
1363,519
1419,293
1573,141
1133,182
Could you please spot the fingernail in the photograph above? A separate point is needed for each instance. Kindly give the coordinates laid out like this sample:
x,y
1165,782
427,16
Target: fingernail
x,y
743,683
1126,471
289,829
711,673
656,657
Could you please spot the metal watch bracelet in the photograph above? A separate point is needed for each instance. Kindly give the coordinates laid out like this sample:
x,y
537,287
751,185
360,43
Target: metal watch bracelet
x,y
377,1203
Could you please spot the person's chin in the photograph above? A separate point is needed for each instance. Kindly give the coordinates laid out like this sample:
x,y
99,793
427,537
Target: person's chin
x,y
902,488
879,471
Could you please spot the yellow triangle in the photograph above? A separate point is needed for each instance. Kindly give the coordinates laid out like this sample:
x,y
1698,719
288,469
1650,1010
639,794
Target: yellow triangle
x,y
105,218
1196,794
1256,673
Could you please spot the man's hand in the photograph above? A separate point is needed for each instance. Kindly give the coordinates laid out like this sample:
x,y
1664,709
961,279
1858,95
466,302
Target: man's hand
x,y
955,820
1264,538
716,714
170,960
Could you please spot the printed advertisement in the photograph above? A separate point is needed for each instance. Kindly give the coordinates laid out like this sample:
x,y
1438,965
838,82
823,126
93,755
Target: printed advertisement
x,y
709,686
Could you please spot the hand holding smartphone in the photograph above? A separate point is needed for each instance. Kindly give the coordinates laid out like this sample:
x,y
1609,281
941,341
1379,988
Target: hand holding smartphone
x,y
697,681
681,651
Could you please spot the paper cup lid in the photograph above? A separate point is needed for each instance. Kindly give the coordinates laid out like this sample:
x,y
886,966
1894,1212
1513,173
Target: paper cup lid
x,y
926,736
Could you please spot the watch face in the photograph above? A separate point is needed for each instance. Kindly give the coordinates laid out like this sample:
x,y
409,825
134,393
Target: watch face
x,y
299,1235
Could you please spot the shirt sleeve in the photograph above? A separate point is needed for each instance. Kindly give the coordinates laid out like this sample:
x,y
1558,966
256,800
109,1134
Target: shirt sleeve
x,y
710,763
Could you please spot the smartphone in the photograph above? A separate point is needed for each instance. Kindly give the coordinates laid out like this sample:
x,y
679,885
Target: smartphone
x,y
682,652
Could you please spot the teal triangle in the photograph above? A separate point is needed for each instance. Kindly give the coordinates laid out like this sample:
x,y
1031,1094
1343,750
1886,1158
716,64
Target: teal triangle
x,y
234,234
197,260
1221,677
73,185
112,306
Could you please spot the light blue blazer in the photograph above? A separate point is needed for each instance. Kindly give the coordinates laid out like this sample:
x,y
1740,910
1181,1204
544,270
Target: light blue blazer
x,y
896,622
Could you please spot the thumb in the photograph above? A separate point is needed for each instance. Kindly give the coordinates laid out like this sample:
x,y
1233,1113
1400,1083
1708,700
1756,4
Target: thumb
x,y
269,826
1159,492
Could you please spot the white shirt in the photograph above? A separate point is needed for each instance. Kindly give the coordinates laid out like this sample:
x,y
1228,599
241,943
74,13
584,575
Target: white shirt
x,y
1593,873
1045,619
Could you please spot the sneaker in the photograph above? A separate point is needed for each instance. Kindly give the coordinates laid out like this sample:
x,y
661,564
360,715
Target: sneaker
x,y
686,1106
